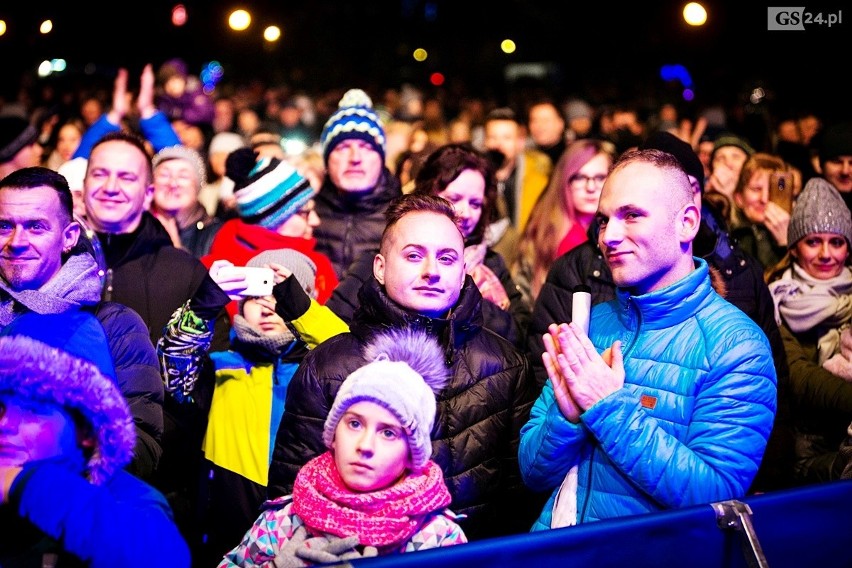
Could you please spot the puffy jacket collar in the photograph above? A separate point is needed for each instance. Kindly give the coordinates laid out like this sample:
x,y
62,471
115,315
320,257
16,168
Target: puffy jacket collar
x,y
377,311
670,306
149,237
386,189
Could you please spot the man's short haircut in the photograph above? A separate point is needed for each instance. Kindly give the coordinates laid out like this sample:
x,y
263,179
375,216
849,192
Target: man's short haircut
x,y
131,138
664,161
415,203
37,176
502,113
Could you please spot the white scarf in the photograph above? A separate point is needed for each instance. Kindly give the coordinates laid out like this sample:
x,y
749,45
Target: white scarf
x,y
805,303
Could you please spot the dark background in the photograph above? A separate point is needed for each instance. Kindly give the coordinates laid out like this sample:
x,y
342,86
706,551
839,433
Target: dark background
x,y
593,49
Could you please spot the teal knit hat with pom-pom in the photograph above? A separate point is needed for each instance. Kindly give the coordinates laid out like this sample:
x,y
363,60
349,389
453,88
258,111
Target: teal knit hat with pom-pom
x,y
268,191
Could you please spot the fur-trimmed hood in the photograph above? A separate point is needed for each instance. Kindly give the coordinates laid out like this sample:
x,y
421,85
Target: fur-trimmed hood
x,y
36,371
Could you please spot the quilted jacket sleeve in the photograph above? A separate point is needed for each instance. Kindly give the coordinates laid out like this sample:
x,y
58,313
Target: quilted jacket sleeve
x,y
138,375
550,444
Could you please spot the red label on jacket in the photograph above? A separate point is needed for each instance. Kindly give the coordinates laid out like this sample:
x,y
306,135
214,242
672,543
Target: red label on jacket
x,y
648,401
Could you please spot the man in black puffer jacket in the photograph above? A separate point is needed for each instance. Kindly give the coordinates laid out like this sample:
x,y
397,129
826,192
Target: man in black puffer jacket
x,y
358,187
420,283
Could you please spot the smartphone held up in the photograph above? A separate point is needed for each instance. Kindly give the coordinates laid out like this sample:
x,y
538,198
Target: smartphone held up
x,y
259,280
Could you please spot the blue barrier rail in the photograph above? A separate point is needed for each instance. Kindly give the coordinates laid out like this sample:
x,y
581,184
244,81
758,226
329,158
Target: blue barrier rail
x,y
805,527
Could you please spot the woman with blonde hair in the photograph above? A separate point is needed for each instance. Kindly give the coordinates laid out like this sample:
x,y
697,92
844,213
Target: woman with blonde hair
x,y
563,213
812,290
756,222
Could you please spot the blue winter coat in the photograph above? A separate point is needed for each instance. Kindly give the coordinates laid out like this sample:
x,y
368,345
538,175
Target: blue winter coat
x,y
690,425
124,522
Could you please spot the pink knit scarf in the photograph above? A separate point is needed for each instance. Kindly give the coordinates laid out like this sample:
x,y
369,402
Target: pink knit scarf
x,y
380,518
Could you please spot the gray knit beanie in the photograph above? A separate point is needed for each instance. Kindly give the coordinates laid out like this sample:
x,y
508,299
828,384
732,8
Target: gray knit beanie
x,y
186,154
404,372
302,267
819,209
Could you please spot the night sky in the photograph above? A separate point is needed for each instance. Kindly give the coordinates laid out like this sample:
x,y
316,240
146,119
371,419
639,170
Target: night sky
x,y
595,49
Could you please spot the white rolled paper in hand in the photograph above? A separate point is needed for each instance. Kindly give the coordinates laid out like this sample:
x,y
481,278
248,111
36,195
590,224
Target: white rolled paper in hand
x,y
581,306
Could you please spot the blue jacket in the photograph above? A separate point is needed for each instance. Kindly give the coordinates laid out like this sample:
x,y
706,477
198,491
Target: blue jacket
x,y
124,522
690,425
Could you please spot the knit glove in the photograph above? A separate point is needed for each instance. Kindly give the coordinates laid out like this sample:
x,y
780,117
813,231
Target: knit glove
x,y
840,364
322,550
303,551
185,340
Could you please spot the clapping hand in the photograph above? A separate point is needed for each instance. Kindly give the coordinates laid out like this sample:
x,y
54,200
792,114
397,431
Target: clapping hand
x,y
120,100
579,374
145,100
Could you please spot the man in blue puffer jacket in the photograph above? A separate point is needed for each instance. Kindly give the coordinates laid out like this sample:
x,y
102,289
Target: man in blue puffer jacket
x,y
670,400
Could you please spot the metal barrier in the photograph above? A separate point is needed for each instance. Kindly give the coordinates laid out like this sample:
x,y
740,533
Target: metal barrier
x,y
792,528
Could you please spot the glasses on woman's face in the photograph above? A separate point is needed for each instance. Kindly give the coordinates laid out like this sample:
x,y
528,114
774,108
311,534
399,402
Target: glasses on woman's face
x,y
583,180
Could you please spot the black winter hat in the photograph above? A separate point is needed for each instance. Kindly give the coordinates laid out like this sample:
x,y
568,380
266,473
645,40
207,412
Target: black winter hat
x,y
15,133
668,142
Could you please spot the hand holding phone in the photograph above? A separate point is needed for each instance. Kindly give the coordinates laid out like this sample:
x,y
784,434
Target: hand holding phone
x,y
242,281
258,281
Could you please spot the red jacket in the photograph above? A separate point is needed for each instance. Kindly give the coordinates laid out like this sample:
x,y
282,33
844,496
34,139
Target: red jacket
x,y
239,242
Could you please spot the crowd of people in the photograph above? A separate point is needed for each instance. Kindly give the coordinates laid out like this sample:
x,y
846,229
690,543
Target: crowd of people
x,y
420,369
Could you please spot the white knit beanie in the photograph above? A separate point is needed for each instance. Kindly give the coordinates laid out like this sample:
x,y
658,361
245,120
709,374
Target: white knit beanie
x,y
405,371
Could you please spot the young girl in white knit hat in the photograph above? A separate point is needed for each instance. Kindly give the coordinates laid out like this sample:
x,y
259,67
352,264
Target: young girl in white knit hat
x,y
376,491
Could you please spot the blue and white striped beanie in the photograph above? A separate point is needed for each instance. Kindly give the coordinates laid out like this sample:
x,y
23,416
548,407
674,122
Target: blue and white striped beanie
x,y
268,191
354,118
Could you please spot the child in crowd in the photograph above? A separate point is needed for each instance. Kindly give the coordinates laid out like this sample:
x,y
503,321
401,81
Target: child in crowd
x,y
244,389
376,491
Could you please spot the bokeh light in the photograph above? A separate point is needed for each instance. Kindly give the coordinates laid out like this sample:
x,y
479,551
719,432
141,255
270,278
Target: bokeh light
x,y
420,54
694,14
272,33
508,46
179,15
46,27
239,20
